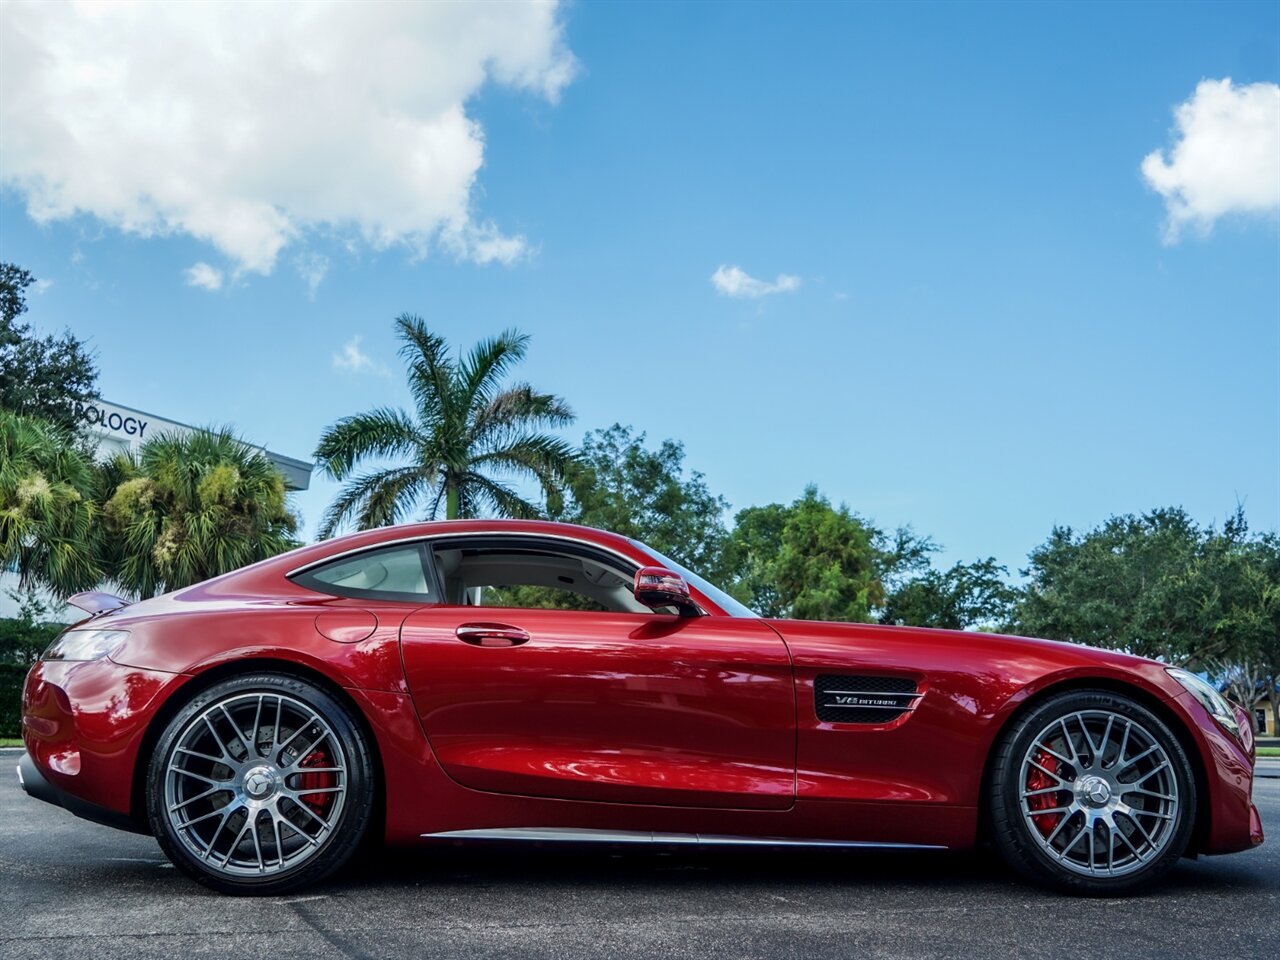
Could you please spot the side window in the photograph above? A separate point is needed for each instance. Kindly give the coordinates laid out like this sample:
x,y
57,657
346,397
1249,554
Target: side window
x,y
391,573
519,573
534,597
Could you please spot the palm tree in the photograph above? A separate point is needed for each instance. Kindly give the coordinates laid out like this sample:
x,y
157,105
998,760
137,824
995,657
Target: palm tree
x,y
468,436
47,514
190,507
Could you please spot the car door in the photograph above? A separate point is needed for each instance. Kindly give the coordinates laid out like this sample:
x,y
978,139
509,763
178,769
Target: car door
x,y
607,706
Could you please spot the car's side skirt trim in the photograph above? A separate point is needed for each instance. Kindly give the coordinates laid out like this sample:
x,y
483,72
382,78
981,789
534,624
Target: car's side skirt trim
x,y
575,835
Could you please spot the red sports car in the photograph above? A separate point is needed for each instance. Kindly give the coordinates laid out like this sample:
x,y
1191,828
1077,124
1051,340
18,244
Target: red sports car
x,y
535,681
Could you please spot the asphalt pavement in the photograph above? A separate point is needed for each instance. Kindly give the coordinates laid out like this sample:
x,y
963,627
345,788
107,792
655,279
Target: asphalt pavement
x,y
73,889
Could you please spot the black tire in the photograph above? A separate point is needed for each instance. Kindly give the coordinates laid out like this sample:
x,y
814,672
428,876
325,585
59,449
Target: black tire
x,y
299,825
1108,804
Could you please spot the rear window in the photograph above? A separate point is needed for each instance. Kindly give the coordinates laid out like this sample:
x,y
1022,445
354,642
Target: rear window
x,y
391,573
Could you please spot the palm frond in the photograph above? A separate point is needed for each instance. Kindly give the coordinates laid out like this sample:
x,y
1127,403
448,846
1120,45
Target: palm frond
x,y
357,494
546,457
504,501
391,496
434,510
384,433
517,408
488,360
48,517
431,372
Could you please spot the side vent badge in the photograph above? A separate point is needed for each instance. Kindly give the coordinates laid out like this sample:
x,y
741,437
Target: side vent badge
x,y
860,699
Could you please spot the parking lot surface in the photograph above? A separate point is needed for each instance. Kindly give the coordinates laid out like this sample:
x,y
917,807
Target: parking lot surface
x,y
73,889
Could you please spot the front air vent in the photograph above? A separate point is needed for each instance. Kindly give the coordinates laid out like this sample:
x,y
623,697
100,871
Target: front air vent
x,y
856,699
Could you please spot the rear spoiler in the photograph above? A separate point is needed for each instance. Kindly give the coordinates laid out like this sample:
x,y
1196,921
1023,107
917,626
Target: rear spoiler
x,y
95,602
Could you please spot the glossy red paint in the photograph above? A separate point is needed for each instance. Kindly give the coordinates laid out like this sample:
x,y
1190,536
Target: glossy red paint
x,y
84,722
609,707
638,722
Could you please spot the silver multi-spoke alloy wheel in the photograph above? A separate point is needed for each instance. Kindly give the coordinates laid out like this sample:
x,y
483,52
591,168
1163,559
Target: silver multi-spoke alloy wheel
x,y
260,784
255,784
1092,792
1098,793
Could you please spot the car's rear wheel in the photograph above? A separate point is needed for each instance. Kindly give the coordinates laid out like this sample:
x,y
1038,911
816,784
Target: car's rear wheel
x,y
261,784
1091,792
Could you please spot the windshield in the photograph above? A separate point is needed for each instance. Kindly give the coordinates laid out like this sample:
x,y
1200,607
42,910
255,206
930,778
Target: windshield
x,y
717,596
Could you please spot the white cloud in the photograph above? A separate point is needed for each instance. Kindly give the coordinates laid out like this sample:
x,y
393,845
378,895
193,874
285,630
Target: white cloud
x,y
203,276
40,286
735,282
483,243
354,360
1226,159
312,267
249,128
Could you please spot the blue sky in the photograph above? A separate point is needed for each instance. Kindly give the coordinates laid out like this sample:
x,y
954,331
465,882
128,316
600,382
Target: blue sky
x,y
989,328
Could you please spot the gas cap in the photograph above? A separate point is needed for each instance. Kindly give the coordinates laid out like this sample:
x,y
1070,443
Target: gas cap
x,y
346,625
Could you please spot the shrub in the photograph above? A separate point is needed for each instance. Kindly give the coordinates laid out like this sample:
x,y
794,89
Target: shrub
x,y
11,678
22,639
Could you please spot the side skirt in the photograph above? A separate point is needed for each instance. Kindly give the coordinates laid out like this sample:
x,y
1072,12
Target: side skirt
x,y
574,835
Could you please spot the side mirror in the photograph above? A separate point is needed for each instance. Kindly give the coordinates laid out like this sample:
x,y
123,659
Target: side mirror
x,y
659,587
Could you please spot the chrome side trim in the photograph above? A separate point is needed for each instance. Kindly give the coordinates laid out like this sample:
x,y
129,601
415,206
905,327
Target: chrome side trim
x,y
575,835
563,835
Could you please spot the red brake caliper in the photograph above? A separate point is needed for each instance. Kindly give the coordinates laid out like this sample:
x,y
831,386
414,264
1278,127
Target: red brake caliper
x,y
1039,780
319,802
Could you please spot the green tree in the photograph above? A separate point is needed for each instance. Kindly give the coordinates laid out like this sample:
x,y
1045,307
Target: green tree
x,y
1250,601
47,514
13,291
1157,585
810,560
967,595
189,508
50,377
24,637
751,553
619,484
468,436
828,566
1266,563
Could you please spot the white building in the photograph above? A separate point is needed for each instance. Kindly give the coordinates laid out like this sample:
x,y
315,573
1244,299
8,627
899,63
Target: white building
x,y
119,429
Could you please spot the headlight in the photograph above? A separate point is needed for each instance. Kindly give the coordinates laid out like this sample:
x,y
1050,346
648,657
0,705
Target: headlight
x,y
85,645
1209,698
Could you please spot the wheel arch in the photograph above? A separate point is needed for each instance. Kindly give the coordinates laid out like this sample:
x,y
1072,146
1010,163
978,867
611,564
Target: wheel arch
x,y
1176,724
224,671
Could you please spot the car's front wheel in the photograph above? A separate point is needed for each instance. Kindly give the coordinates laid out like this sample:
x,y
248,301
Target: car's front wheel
x,y
261,784
1091,792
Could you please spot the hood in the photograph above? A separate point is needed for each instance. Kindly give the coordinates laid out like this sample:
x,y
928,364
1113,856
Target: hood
x,y
854,633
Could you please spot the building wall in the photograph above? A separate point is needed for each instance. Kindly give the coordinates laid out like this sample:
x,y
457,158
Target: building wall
x,y
1266,720
119,429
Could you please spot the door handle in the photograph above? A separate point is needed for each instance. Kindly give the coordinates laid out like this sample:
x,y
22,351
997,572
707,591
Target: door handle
x,y
491,635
